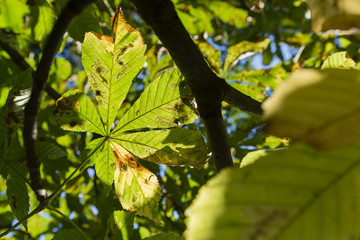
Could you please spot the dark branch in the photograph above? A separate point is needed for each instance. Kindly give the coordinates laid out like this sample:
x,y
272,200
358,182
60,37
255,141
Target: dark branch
x,y
23,65
72,9
208,89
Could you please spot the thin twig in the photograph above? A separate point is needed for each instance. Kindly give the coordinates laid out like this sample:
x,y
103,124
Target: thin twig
x,y
72,9
23,65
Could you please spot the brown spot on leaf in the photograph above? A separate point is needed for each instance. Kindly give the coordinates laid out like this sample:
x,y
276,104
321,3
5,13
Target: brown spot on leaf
x,y
137,112
72,124
97,93
134,198
131,45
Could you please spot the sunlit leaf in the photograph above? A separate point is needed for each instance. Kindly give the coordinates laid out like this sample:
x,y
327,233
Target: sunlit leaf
x,y
298,192
136,187
321,108
245,47
339,60
212,55
105,164
17,194
42,21
111,65
120,226
176,146
12,13
152,111
75,112
334,14
70,234
229,14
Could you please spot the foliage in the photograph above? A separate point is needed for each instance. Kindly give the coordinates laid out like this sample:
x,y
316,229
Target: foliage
x,y
123,151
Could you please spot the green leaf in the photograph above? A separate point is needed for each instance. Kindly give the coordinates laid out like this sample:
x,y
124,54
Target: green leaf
x,y
255,83
105,164
321,108
165,236
42,21
17,193
176,146
91,152
136,187
235,51
297,192
111,65
343,14
69,234
75,112
87,21
120,226
229,14
12,13
49,150
213,56
339,60
152,111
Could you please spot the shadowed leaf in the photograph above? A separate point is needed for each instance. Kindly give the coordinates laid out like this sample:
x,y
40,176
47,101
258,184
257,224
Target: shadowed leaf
x,y
105,164
321,108
295,192
120,225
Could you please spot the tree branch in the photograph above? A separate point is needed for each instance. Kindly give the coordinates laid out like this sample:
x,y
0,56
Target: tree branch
x,y
23,65
72,9
208,89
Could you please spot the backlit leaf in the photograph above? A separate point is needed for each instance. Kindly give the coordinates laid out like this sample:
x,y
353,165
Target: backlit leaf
x,y
12,13
105,164
136,187
111,65
321,108
75,112
176,146
229,14
43,20
159,106
339,60
235,51
297,193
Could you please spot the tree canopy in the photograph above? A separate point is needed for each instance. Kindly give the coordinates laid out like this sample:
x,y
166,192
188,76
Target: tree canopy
x,y
179,119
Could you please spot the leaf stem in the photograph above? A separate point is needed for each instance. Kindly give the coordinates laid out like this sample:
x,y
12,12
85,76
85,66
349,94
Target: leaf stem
x,y
69,221
58,190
